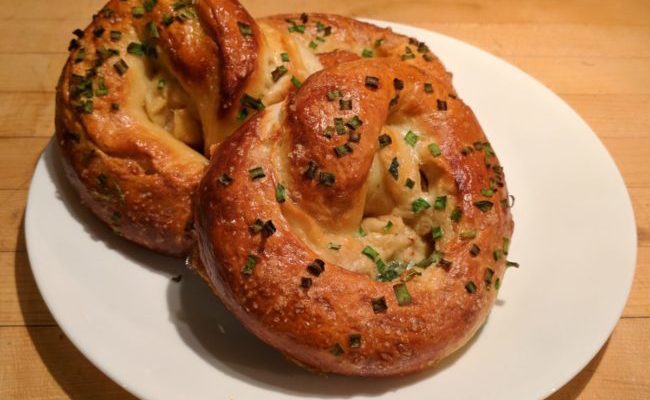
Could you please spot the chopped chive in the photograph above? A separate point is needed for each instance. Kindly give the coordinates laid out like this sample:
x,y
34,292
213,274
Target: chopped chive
x,y
434,150
310,171
256,226
313,44
442,105
152,29
354,122
497,284
149,4
81,54
280,193
329,132
339,125
440,203
388,226
411,138
304,18
336,350
394,168
384,140
256,173
268,228
506,245
293,27
423,48
121,67
161,84
484,205
316,267
249,266
474,250
334,246
487,192
354,341
167,20
277,73
436,233
115,106
342,150
284,57
333,95
402,294
410,183
393,101
87,107
470,287
361,232
420,205
379,305
367,53
467,235
99,31
398,84
370,253
137,49
137,12
296,82
326,179
242,114
512,264
250,101
245,29
102,90
305,282
456,214
225,179
428,88
378,42
489,274
345,104
496,254
372,82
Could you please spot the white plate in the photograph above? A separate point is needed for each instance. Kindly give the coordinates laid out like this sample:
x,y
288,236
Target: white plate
x,y
575,238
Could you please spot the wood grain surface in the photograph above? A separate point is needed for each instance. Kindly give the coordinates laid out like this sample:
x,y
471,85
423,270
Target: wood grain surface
x,y
594,54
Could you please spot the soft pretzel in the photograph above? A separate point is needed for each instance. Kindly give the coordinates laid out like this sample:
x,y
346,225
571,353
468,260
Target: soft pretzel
x,y
151,86
375,249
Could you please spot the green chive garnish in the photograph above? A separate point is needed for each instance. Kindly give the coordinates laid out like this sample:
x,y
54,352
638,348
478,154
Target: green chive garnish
x,y
345,104
420,205
284,57
512,264
388,226
440,203
474,250
256,173
310,171
442,105
398,84
372,82
367,53
428,88
467,235
456,214
81,54
393,169
402,294
336,350
249,266
489,274
384,140
342,150
161,84
326,179
361,232
484,205
280,193
487,192
296,82
333,95
136,49
434,150
334,246
411,138
370,253
436,233
121,67
245,29
410,183
470,287
277,73
496,254
506,245
153,30
354,341
137,12
313,44
354,122
379,305
225,179
116,35
250,101
102,90
497,284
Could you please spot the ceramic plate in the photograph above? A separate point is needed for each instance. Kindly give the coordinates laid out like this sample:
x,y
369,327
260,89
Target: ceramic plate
x,y
574,237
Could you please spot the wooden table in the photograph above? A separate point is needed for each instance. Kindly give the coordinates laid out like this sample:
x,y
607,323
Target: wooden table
x,y
595,55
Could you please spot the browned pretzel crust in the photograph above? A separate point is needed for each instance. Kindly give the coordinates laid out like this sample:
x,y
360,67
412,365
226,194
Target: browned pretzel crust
x,y
334,307
150,86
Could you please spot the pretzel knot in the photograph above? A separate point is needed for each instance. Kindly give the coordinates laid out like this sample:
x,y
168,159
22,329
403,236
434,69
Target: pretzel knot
x,y
360,225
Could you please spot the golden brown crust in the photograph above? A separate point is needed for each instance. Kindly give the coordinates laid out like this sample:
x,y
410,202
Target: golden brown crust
x,y
137,166
335,312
